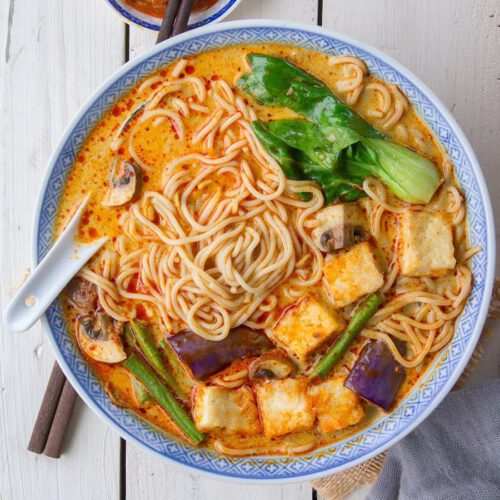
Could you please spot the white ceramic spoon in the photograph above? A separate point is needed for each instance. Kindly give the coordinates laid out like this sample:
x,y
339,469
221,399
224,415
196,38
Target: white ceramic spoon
x,y
47,281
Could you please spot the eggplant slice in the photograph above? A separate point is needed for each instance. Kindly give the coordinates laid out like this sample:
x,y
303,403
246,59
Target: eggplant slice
x,y
376,376
205,357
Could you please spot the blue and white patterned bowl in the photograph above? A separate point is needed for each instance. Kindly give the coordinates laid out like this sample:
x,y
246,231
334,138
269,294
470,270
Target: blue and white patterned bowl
x,y
439,379
214,14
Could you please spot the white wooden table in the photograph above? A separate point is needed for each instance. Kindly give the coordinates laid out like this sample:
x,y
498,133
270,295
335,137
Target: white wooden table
x,y
53,53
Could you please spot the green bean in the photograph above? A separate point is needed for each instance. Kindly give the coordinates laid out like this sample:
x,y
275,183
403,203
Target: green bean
x,y
365,311
177,367
163,397
129,337
153,356
141,394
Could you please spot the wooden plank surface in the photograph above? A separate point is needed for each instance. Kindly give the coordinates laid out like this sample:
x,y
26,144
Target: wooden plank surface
x,y
54,54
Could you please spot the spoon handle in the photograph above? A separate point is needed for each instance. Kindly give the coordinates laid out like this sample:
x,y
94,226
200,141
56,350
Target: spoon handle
x,y
61,263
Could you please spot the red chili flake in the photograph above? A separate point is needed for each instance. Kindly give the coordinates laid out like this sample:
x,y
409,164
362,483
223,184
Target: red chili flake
x,y
121,151
141,312
116,111
190,69
215,78
163,72
182,75
133,284
130,103
85,221
145,178
155,85
93,232
81,159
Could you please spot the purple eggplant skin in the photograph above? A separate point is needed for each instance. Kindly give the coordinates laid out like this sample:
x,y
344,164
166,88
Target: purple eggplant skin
x,y
376,376
206,357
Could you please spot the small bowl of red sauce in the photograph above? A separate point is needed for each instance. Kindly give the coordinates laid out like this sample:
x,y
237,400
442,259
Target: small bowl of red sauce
x,y
149,13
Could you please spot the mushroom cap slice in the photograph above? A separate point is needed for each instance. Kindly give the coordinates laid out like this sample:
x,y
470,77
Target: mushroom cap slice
x,y
99,340
124,183
271,365
81,294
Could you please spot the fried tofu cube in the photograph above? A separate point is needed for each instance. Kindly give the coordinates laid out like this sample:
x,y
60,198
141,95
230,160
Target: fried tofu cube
x,y
230,410
305,327
284,406
426,244
335,406
352,274
340,226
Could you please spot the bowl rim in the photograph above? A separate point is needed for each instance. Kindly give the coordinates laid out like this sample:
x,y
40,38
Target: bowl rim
x,y
484,195
130,15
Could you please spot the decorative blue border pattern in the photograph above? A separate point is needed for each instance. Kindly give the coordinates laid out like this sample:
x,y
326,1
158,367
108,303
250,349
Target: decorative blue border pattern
x,y
208,17
437,381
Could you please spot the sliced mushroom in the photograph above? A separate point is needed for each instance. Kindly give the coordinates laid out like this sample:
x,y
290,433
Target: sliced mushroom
x,y
82,295
125,183
99,339
340,237
340,226
272,365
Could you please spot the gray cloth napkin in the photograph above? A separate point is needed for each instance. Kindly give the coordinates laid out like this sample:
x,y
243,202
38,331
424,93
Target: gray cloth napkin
x,y
454,454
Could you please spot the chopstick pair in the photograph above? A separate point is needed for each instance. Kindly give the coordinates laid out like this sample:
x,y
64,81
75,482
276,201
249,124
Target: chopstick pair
x,y
55,411
176,19
53,417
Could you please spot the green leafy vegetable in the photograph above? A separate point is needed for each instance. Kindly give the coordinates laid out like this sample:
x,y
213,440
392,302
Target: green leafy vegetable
x,y
316,160
408,175
334,146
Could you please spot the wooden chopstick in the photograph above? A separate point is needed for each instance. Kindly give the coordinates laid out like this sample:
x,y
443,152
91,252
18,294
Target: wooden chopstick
x,y
176,19
53,417
60,423
47,410
181,21
57,405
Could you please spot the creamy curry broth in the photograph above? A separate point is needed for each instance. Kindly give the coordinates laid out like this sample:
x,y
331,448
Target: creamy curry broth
x,y
157,145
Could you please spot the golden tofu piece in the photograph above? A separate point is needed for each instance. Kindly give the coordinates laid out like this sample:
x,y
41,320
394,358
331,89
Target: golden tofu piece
x,y
426,244
284,406
341,225
352,274
335,406
306,326
231,410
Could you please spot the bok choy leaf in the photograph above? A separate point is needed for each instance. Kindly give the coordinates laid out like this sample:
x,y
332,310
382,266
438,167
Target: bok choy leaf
x,y
333,146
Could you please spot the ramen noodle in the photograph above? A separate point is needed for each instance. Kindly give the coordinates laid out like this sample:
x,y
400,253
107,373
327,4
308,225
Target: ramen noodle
x,y
245,232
